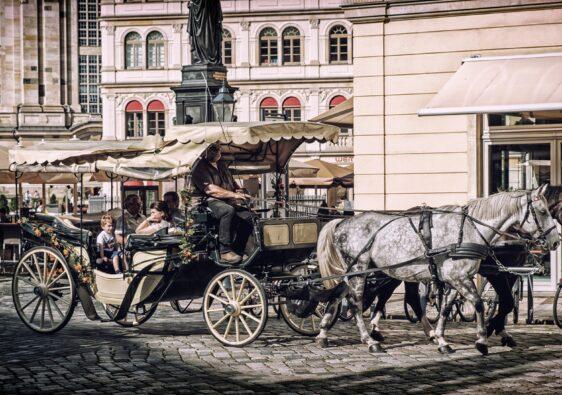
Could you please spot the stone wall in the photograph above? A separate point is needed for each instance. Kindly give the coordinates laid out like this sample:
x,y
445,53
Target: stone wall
x,y
401,159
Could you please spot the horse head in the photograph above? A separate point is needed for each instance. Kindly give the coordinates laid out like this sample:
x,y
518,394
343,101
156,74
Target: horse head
x,y
536,219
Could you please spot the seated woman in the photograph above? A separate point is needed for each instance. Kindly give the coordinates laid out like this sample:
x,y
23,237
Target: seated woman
x,y
156,221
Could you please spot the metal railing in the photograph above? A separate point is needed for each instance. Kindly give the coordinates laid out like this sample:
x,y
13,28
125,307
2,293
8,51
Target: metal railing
x,y
304,206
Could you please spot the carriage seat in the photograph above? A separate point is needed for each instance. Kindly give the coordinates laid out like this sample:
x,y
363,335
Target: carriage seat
x,y
136,242
69,229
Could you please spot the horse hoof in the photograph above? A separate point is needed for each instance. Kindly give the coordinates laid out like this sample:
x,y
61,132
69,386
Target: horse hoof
x,y
509,342
482,348
323,342
376,335
446,349
376,348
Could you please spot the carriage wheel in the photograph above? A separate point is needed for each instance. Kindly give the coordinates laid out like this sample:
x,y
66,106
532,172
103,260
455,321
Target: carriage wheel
x,y
43,290
235,307
187,306
136,316
307,326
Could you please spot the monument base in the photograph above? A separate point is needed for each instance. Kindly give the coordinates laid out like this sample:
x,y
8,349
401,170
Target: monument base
x,y
200,84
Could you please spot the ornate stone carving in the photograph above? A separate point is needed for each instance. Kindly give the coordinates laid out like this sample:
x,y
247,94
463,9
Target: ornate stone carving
x,y
120,100
314,22
245,25
110,29
177,27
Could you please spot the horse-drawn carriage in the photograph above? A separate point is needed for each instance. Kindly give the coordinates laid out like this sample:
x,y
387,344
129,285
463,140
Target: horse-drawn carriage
x,y
59,269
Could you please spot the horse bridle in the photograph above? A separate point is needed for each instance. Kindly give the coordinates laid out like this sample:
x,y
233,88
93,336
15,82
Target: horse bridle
x,y
531,209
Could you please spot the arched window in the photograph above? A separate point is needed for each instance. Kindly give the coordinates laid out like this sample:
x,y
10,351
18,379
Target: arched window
x,y
292,109
133,116
268,46
133,51
268,107
291,45
155,50
156,121
336,100
226,47
339,44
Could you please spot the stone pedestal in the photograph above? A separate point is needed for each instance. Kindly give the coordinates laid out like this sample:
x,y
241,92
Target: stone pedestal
x,y
200,84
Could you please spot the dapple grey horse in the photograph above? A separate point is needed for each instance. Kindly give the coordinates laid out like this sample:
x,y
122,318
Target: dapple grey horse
x,y
386,240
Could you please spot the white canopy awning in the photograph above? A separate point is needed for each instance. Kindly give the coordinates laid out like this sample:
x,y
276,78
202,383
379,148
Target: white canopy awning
x,y
502,84
340,115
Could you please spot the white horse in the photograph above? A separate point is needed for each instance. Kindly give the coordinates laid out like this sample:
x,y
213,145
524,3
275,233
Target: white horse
x,y
385,240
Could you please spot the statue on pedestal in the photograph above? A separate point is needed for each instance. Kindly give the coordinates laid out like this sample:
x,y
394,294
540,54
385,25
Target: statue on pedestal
x,y
205,31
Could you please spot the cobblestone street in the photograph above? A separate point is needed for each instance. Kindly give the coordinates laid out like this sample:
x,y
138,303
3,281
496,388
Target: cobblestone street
x,y
175,353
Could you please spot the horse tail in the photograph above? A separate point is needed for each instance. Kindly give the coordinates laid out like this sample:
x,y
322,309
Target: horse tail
x,y
330,261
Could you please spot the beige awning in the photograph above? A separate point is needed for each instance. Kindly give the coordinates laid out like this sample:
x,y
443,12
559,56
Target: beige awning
x,y
329,174
340,116
246,147
54,152
503,84
241,133
302,169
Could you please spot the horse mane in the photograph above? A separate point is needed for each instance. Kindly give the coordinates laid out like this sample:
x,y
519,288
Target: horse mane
x,y
498,204
552,195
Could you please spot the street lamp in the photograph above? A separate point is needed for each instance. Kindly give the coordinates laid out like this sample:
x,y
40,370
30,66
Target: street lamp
x,y
223,105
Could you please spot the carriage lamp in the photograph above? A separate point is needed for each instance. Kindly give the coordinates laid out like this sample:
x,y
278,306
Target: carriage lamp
x,y
223,105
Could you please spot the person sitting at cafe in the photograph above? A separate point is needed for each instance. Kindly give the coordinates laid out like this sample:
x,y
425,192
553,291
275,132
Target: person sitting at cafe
x,y
40,207
4,215
174,215
131,220
156,221
212,178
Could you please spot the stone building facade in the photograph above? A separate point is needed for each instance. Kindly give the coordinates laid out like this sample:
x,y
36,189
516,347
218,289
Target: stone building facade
x,y
49,69
406,53
292,57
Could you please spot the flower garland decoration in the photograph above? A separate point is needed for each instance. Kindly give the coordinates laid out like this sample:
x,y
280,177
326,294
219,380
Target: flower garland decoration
x,y
186,243
81,267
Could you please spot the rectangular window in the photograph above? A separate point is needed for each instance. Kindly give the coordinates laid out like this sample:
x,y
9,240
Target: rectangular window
x,y
267,112
227,52
521,166
155,56
88,23
156,123
268,51
88,76
134,124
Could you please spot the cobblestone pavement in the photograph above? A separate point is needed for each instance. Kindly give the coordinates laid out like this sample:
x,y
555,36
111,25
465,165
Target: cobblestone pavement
x,y
174,353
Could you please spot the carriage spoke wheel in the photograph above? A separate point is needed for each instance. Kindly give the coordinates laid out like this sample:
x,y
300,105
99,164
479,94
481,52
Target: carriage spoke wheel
x,y
43,290
235,307
137,315
187,306
307,326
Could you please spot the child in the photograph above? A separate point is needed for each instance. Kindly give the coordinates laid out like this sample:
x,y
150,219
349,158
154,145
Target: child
x,y
106,243
156,221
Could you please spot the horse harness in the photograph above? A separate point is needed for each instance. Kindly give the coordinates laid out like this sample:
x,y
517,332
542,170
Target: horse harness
x,y
459,250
